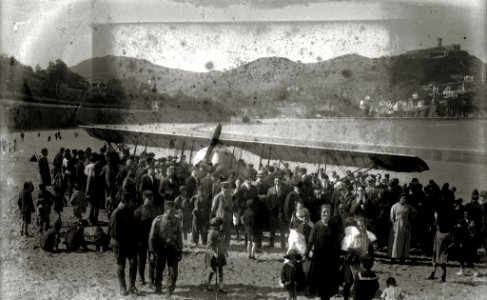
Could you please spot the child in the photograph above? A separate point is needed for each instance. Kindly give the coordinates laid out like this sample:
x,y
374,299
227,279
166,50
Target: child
x,y
44,208
79,202
392,292
26,206
51,238
183,204
292,275
75,236
366,283
101,239
215,253
248,220
442,244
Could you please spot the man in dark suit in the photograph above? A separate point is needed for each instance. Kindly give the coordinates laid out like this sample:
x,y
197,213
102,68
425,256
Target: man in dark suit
x,y
149,182
276,197
169,187
191,183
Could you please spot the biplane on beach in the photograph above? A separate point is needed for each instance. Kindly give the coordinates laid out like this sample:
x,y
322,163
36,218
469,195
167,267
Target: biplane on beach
x,y
210,140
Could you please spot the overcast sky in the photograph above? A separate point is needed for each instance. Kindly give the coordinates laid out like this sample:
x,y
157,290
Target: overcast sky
x,y
189,34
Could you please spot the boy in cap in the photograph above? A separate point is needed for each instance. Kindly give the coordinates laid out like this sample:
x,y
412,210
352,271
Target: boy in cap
x,y
184,210
248,220
366,283
201,215
26,206
215,253
44,208
292,274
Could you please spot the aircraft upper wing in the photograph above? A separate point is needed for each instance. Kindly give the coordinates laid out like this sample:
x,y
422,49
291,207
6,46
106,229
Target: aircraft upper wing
x,y
178,136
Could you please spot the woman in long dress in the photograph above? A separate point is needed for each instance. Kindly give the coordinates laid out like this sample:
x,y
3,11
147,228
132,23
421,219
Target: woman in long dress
x,y
400,236
323,279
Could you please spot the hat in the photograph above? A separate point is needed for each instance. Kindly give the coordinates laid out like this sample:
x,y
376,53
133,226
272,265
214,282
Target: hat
x,y
147,193
293,255
370,179
298,184
402,195
414,180
82,223
366,258
215,222
458,201
475,192
260,174
225,185
169,203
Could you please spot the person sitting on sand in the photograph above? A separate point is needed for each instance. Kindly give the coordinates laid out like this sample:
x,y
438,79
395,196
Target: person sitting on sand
x,y
392,292
51,238
75,236
101,240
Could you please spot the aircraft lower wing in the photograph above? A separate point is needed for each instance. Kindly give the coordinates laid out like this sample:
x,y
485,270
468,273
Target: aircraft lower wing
x,y
178,136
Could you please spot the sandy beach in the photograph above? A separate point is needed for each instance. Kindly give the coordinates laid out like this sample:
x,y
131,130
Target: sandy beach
x,y
28,272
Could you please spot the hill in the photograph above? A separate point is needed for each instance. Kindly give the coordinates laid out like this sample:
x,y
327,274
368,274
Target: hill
x,y
262,83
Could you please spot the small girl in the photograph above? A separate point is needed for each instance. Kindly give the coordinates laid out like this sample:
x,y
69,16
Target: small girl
x,y
215,253
292,275
392,292
442,243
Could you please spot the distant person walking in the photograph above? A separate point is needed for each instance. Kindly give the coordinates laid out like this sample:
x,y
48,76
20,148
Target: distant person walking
x,y
22,136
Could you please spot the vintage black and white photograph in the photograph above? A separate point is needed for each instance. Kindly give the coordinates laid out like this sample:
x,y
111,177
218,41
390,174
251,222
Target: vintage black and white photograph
x,y
243,149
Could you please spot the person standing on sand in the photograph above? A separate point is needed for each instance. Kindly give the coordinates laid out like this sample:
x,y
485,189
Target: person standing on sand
x,y
400,236
43,166
26,206
144,216
166,247
22,135
324,242
58,162
222,207
124,240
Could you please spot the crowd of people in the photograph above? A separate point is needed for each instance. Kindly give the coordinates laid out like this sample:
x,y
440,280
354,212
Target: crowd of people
x,y
153,204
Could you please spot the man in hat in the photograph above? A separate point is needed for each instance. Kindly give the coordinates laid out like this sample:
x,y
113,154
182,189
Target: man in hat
x,y
124,240
191,183
474,209
201,215
144,215
276,201
251,171
291,198
169,187
149,182
43,165
166,247
222,208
